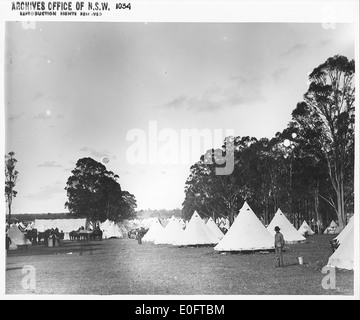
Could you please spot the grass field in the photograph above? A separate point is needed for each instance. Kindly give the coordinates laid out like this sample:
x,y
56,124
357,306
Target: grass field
x,y
123,267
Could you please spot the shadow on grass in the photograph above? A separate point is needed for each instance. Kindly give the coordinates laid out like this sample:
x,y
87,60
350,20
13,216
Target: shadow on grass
x,y
247,252
65,248
14,268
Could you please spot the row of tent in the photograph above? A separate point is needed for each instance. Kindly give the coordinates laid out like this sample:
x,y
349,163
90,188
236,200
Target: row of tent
x,y
17,237
110,229
247,233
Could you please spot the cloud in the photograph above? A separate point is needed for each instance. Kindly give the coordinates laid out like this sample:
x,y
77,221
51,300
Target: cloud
x,y
280,74
95,153
47,192
325,42
297,48
15,116
50,164
177,103
240,91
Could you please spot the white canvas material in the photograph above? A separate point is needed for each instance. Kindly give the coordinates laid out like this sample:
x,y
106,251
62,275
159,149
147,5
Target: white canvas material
x,y
111,229
65,225
291,235
345,231
172,232
343,257
154,231
17,237
246,233
333,228
333,224
196,233
305,229
214,228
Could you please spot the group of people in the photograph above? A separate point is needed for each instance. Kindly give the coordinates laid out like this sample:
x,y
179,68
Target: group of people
x,y
51,237
7,242
86,235
138,234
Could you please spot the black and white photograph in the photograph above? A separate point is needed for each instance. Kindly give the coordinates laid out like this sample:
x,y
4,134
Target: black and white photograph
x,y
204,149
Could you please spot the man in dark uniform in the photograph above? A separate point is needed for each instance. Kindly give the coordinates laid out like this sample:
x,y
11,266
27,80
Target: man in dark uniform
x,y
8,242
279,245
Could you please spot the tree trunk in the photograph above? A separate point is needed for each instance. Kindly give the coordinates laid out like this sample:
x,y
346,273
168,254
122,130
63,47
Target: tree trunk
x,y
316,208
9,206
340,206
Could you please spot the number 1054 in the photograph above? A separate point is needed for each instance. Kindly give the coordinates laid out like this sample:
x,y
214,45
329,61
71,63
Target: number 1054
x,y
123,6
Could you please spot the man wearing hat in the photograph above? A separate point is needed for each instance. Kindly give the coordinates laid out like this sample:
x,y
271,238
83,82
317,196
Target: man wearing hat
x,y
279,244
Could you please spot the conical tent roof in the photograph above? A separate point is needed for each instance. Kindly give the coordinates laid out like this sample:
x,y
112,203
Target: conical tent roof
x,y
17,237
333,224
154,231
171,232
345,231
214,228
343,257
196,233
246,233
305,229
332,228
289,232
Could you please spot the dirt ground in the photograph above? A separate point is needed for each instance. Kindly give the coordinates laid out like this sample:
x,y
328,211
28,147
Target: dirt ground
x,y
123,267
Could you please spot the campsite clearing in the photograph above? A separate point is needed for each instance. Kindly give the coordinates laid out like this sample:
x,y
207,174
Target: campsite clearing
x,y
123,267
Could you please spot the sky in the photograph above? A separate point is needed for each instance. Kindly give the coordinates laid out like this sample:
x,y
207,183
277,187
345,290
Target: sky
x,y
130,91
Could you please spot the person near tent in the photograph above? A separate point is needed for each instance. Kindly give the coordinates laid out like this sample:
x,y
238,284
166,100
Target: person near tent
x,y
56,238
138,236
8,242
279,245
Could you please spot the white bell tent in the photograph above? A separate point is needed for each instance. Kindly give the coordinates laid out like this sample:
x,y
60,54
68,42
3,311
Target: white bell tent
x,y
154,231
343,257
341,236
196,233
214,228
171,232
247,233
291,235
17,238
305,229
333,228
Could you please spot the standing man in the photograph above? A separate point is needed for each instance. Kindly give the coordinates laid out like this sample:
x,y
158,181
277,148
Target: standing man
x,y
279,245
8,242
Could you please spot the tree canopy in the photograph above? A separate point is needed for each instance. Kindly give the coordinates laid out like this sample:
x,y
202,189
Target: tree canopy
x,y
326,119
307,169
94,192
11,176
